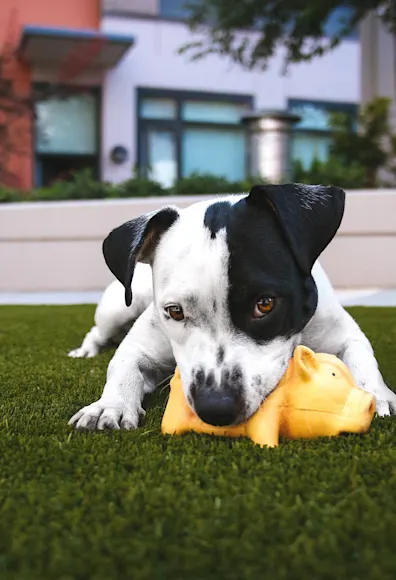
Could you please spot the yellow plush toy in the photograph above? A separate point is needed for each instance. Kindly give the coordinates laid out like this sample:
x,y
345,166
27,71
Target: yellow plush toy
x,y
316,397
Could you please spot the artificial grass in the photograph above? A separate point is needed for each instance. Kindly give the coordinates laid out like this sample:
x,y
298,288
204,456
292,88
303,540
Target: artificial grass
x,y
141,506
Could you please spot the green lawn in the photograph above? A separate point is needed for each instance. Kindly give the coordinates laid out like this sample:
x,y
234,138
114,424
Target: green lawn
x,y
141,506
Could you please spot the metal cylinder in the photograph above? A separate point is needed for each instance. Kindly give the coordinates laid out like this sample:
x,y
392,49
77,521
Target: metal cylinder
x,y
270,144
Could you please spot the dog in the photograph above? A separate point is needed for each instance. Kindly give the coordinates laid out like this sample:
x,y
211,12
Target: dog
x,y
225,289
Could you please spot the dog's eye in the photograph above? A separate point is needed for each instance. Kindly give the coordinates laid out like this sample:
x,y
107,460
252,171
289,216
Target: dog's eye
x,y
263,306
175,311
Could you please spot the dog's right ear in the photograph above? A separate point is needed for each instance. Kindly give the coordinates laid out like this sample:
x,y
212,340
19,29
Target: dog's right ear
x,y
135,241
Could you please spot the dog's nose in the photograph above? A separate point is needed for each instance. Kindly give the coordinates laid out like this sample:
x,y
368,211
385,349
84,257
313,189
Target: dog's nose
x,y
218,408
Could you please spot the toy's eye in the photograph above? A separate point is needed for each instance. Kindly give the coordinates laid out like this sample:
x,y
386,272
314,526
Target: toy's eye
x,y
175,312
333,374
264,306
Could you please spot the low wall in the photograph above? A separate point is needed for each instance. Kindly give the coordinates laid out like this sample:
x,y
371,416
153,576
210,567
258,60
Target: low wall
x,y
57,246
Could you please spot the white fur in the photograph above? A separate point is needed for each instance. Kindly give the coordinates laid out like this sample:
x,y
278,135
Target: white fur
x,y
187,263
113,319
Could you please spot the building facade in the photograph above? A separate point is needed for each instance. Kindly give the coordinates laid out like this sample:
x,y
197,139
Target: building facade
x,y
116,95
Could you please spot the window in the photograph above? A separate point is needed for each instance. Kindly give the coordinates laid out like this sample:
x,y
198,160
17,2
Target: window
x,y
312,134
185,133
66,136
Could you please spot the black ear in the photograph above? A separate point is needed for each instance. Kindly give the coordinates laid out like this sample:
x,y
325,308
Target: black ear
x,y
135,241
308,215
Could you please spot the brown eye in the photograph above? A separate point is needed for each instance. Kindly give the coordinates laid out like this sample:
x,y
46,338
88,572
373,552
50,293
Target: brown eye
x,y
175,312
263,306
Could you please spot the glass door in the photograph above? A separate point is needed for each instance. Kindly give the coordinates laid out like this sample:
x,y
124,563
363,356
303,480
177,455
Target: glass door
x,y
162,156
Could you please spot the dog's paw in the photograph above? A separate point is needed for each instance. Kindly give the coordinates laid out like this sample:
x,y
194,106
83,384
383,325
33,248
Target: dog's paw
x,y
85,351
101,416
385,408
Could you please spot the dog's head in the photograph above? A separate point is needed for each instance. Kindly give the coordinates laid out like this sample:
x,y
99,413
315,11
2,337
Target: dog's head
x,y
232,286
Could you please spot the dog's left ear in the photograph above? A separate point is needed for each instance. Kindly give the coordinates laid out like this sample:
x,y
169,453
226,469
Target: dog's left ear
x,y
308,215
136,241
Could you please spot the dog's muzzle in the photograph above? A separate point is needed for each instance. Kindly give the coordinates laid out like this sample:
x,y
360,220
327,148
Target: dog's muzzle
x,y
218,408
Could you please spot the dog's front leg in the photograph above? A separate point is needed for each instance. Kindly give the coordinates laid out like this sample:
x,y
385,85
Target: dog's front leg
x,y
333,330
143,359
357,353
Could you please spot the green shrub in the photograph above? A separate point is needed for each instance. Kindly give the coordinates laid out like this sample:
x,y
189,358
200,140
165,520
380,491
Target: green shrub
x,y
8,195
331,172
138,187
82,186
197,184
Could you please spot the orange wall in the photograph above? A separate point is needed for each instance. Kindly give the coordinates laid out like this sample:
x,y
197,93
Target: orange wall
x,y
14,14
67,13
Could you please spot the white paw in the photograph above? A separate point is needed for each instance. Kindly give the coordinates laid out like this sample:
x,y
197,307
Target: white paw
x,y
386,408
101,415
383,408
386,401
85,351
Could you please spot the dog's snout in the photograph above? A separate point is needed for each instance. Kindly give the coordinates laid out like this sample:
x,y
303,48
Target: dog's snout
x,y
219,408
218,402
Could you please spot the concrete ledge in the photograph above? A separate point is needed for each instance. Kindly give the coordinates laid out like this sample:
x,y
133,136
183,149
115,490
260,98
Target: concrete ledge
x,y
56,246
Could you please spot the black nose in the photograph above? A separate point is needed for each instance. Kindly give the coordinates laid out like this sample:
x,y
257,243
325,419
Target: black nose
x,y
218,408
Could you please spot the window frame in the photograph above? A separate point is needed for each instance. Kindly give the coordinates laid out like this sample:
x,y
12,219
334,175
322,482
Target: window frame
x,y
347,107
178,125
331,106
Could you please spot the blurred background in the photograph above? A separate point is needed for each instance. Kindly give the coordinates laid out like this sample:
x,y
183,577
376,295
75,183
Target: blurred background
x,y
110,108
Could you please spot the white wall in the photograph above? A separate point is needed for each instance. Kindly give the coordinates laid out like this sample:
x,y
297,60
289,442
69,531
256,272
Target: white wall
x,y
153,62
57,246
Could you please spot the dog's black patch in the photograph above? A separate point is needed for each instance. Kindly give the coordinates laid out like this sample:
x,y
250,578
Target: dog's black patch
x,y
261,264
135,240
274,236
216,217
220,355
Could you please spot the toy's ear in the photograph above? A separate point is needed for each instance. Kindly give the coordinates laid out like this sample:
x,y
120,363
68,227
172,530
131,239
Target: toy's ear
x,y
308,215
135,241
305,361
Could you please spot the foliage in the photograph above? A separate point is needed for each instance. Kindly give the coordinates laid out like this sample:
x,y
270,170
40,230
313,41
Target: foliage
x,y
299,27
331,172
9,195
357,157
139,187
197,184
82,185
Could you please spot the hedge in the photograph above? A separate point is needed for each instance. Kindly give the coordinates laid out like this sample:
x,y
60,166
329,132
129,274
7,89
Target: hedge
x,y
84,186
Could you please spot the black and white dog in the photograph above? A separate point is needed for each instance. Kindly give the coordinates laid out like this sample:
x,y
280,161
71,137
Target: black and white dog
x,y
226,291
